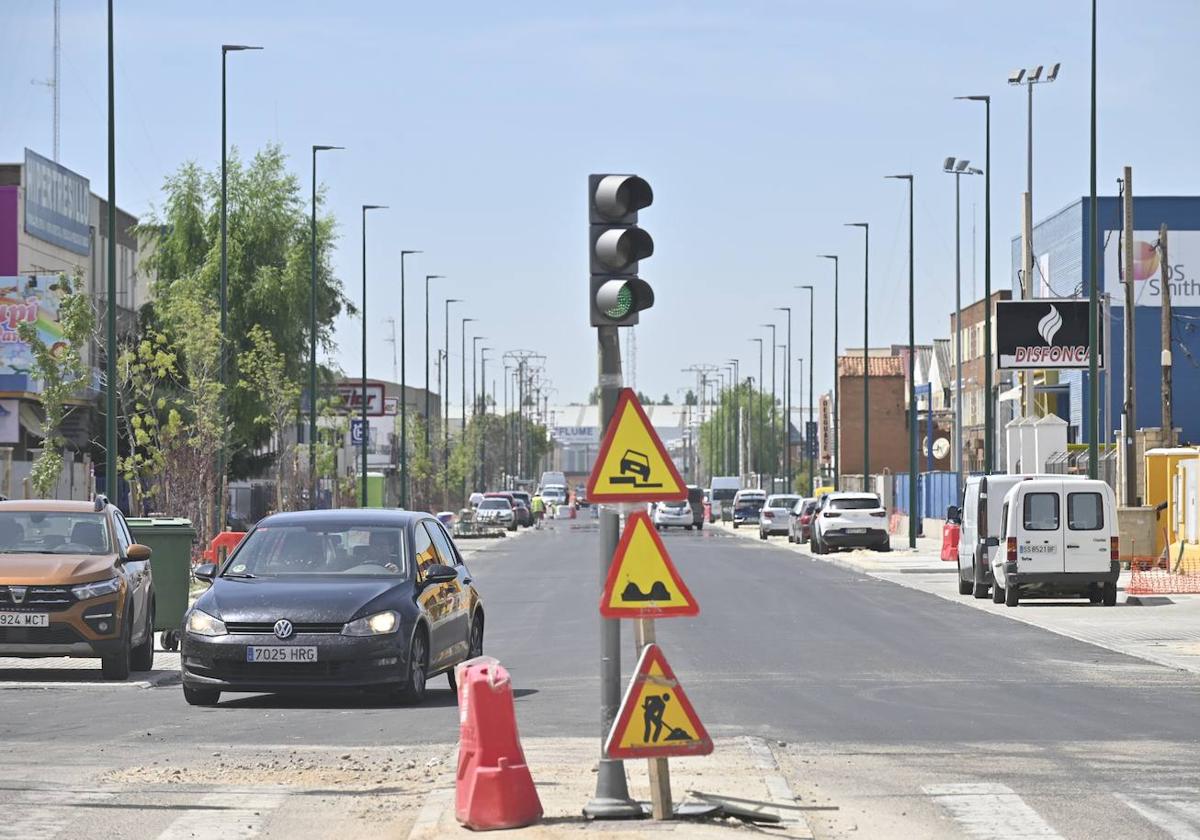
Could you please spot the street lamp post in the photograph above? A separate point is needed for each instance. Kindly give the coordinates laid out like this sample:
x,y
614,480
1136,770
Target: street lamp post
x,y
110,310
837,464
808,444
312,336
1094,290
913,517
758,399
366,428
446,405
988,420
774,465
737,417
462,433
866,227
787,400
403,388
958,168
428,424
475,339
219,507
483,478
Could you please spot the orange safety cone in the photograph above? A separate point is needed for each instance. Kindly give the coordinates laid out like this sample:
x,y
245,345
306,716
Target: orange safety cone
x,y
493,788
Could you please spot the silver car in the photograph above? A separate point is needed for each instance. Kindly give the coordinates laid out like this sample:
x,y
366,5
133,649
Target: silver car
x,y
673,515
496,511
773,519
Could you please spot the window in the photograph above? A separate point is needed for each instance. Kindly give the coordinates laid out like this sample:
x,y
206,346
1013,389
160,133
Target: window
x,y
1004,521
1041,512
124,540
441,544
320,548
1085,511
860,503
425,552
54,532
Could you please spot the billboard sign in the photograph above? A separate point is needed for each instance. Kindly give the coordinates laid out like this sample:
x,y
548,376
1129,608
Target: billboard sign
x,y
56,204
1044,334
27,298
351,394
1183,253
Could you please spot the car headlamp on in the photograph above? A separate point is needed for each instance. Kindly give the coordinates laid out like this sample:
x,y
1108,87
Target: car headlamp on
x,y
95,590
203,624
379,624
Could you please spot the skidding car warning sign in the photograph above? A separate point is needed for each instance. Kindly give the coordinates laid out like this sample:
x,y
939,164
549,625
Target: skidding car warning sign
x,y
632,465
642,581
656,720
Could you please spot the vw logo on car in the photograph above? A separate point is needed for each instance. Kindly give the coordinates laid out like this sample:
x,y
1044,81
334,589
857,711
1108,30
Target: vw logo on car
x,y
284,629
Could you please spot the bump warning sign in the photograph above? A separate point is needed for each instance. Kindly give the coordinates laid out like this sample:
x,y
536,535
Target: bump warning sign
x,y
642,581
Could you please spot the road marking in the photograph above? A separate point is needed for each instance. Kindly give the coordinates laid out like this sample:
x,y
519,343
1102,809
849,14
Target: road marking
x,y
45,813
991,811
1176,812
224,816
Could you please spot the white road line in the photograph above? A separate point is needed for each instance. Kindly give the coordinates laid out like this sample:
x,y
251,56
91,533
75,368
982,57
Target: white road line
x,y
1176,813
990,811
224,816
45,813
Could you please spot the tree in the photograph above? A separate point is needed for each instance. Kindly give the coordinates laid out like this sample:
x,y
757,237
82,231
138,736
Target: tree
x,y
643,399
265,374
690,398
666,400
60,369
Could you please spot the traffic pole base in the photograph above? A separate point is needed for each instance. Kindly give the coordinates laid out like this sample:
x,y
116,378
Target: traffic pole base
x,y
612,800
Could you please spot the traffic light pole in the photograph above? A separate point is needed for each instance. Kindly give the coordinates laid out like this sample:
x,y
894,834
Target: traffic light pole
x,y
612,800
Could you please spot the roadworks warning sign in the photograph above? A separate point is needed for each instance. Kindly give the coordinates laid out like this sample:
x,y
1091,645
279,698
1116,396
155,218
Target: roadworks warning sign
x,y
642,581
632,465
656,720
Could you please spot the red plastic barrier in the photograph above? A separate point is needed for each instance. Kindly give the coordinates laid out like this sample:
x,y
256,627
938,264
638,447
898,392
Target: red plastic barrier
x,y
227,540
494,788
950,534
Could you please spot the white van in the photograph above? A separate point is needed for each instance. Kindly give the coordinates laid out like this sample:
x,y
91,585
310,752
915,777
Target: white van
x,y
980,523
720,495
1060,538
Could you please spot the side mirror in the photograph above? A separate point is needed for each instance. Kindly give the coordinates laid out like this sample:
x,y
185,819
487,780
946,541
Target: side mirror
x,y
138,553
992,542
205,572
438,573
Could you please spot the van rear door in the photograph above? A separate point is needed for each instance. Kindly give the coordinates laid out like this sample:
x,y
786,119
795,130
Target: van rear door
x,y
1088,530
1039,532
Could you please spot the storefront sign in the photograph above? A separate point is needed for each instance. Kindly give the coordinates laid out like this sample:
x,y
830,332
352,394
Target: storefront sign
x,y
56,204
27,299
1183,256
1044,334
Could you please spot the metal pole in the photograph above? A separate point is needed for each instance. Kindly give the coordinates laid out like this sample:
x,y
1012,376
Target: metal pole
x,y
787,398
462,433
312,336
366,429
866,227
218,503
989,432
958,419
446,406
111,459
1129,315
808,444
404,389
1168,422
757,461
612,798
1093,288
774,411
428,424
837,462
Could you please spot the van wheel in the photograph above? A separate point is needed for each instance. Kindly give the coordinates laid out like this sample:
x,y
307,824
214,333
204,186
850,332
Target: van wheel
x,y
1012,596
964,586
1110,594
997,594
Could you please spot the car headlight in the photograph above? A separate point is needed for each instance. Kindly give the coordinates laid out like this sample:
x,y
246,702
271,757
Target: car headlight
x,y
203,624
379,624
95,590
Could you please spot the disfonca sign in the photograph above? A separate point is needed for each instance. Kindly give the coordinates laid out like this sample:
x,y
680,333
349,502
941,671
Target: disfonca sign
x,y
1048,333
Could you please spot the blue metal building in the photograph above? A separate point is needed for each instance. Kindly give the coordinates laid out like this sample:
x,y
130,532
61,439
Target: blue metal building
x,y
1062,261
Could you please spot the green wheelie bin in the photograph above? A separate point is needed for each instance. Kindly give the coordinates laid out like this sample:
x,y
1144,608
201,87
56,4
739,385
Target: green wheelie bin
x,y
170,539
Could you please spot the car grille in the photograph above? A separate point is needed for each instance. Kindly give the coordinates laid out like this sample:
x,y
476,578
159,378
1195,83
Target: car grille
x,y
268,627
49,598
55,634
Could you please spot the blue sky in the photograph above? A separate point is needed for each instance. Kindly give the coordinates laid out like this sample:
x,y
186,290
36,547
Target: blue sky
x,y
762,126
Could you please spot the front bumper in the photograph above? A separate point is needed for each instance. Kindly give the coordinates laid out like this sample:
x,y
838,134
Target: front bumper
x,y
219,662
872,538
69,633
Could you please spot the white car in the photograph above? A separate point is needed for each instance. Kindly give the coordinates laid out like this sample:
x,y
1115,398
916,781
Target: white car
x,y
673,515
496,511
774,517
849,520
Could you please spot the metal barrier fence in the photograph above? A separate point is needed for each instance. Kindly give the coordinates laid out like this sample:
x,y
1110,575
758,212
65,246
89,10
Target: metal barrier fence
x,y
935,492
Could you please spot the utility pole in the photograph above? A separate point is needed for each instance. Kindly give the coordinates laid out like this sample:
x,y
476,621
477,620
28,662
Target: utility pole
x,y
1129,422
1093,287
390,338
1168,422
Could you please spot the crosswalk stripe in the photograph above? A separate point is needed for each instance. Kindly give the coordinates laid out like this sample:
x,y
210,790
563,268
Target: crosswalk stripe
x,y
990,811
224,816
45,813
1176,813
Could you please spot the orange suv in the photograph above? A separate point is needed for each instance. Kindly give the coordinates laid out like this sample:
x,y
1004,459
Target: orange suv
x,y
74,583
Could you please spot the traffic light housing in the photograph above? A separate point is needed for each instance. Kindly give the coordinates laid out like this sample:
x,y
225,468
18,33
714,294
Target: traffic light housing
x,y
615,246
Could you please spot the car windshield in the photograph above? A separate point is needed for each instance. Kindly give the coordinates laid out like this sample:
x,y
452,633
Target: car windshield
x,y
782,501
674,505
53,532
854,504
495,504
319,549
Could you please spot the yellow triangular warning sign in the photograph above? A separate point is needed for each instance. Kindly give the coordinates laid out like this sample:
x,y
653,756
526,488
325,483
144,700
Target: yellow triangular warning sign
x,y
632,465
656,720
642,581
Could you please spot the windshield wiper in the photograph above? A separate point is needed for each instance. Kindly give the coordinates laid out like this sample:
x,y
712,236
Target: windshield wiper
x,y
241,575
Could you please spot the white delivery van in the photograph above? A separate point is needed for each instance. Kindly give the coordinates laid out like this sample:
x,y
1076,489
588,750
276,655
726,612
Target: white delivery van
x,y
720,496
1058,538
980,523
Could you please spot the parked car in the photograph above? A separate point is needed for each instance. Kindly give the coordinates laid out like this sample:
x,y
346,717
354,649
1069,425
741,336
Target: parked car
x,y
773,519
521,512
333,599
800,520
849,520
721,494
746,506
696,503
74,583
522,496
496,510
1059,538
673,515
554,494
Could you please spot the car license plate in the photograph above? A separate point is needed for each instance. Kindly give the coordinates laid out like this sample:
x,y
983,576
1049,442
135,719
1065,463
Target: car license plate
x,y
280,653
16,619
856,530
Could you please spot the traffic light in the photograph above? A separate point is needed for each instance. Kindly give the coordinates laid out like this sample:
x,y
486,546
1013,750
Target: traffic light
x,y
615,245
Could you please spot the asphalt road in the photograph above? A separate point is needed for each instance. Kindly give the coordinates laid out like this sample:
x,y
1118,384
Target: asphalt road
x,y
894,712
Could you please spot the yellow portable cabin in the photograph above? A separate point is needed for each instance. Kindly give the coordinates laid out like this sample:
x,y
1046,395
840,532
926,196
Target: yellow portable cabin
x,y
1164,485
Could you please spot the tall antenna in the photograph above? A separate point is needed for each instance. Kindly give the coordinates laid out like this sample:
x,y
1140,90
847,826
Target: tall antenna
x,y
391,339
52,82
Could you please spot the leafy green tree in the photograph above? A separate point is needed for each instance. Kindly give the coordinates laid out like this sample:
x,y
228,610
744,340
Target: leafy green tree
x,y
62,373
264,373
150,412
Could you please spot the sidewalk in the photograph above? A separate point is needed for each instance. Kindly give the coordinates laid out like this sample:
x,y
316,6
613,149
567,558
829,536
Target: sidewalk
x,y
1164,630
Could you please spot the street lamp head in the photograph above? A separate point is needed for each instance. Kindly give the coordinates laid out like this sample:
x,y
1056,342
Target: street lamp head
x,y
367,207
857,224
454,300
326,148
810,288
979,97
783,309
429,277
1016,76
1053,74
948,164
404,253
974,170
828,256
962,164
226,48
1035,75
899,177
468,320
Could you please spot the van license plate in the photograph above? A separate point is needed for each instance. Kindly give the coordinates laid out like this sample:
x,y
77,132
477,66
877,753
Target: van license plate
x,y
16,619
856,530
280,653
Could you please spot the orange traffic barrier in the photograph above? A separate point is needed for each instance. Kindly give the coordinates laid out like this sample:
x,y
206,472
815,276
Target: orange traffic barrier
x,y
950,535
493,788
227,540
